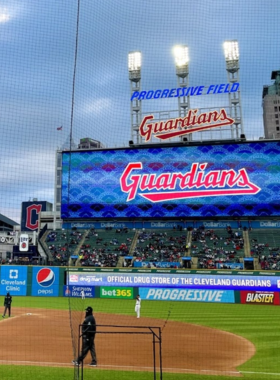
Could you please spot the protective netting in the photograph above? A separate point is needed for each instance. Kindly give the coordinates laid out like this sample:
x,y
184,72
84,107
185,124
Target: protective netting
x,y
64,83
37,64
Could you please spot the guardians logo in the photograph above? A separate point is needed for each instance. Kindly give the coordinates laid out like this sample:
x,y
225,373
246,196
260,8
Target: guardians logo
x,y
182,126
193,184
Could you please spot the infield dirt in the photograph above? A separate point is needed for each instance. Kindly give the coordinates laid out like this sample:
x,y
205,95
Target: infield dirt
x,y
43,337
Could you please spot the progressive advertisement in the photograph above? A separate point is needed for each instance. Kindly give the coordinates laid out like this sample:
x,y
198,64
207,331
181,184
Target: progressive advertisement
x,y
178,281
45,281
194,295
219,180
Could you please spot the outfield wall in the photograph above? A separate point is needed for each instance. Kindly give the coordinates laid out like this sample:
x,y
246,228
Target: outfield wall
x,y
156,285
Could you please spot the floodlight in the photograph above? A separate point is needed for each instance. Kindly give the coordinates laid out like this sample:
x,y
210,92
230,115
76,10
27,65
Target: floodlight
x,y
231,50
134,61
181,55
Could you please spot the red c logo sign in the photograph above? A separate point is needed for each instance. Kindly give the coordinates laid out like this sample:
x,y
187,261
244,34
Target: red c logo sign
x,y
29,209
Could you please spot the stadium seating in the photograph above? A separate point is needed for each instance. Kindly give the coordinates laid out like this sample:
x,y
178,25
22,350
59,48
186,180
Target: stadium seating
x,y
265,246
208,248
63,244
155,247
103,248
222,249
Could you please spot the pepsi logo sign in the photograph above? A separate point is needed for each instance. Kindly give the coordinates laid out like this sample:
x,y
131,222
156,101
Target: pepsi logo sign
x,y
45,277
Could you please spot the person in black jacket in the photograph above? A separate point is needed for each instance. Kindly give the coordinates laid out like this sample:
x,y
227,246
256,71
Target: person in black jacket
x,y
88,335
7,304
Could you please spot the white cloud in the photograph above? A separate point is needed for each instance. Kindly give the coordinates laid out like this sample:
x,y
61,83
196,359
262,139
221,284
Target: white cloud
x,y
95,106
4,16
10,11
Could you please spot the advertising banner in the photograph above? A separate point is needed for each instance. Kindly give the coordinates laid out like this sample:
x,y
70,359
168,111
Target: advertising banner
x,y
229,265
119,293
76,291
194,295
45,281
156,264
260,298
13,280
221,224
221,281
135,224
219,180
267,224
24,243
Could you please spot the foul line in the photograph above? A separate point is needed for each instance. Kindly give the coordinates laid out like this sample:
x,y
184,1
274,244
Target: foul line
x,y
262,373
178,370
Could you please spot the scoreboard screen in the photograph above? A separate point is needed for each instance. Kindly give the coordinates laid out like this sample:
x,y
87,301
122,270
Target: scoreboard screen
x,y
218,180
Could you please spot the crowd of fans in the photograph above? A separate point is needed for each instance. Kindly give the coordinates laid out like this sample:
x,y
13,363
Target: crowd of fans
x,y
23,260
268,256
154,247
214,250
99,251
62,245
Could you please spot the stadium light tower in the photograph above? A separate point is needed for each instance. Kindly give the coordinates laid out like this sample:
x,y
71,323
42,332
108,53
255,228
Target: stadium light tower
x,y
181,55
134,70
231,52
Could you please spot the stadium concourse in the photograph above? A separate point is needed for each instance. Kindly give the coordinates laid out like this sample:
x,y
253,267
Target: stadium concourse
x,y
196,248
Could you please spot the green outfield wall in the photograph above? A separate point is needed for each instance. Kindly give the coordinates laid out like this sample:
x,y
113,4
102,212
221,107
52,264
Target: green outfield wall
x,y
217,286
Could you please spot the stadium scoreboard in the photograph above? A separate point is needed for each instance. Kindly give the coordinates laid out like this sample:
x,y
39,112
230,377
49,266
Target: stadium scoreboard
x,y
204,180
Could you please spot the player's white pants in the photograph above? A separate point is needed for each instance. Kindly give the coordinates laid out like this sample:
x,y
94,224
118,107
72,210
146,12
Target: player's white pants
x,y
137,311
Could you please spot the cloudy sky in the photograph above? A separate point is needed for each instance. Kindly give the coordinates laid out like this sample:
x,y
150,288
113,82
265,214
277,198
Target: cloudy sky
x,y
37,41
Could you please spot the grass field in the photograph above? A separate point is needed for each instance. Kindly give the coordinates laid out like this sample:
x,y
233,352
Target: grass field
x,y
257,323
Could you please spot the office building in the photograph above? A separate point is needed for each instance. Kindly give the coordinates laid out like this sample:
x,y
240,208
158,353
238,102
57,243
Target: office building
x,y
271,107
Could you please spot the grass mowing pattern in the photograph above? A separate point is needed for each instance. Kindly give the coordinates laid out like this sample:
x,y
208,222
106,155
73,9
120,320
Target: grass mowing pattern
x,y
257,323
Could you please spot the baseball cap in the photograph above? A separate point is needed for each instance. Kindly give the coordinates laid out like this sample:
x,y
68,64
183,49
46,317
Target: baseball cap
x,y
89,309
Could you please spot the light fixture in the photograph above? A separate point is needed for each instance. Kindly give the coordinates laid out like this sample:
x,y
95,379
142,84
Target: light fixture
x,y
181,55
134,61
231,50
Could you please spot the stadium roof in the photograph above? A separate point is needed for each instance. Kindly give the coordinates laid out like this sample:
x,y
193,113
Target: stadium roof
x,y
7,221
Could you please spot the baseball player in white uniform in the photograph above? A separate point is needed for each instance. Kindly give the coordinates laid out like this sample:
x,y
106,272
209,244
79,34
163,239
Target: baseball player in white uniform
x,y
138,306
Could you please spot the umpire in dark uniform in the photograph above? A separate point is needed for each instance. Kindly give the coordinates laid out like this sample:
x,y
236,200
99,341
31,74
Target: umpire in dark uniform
x,y
88,335
7,303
